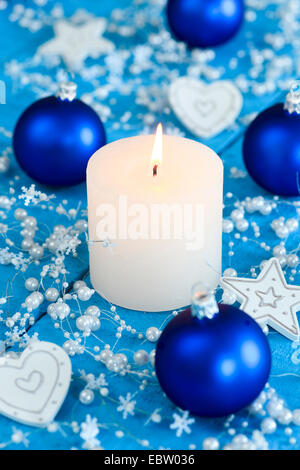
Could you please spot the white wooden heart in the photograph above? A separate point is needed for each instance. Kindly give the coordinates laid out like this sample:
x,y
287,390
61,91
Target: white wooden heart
x,y
205,110
34,386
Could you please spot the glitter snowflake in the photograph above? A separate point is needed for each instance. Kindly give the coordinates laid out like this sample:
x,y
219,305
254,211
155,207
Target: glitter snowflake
x,y
31,195
18,437
92,381
181,423
18,261
5,256
89,433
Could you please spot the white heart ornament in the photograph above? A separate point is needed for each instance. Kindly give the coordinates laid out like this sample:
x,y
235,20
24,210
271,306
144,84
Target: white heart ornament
x,y
34,386
205,110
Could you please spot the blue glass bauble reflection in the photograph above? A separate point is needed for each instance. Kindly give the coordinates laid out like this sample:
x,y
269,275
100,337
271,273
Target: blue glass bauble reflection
x,y
213,367
272,151
205,23
54,139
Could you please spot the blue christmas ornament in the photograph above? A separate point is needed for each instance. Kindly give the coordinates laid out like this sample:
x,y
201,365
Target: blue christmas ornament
x,y
205,23
211,359
271,147
55,137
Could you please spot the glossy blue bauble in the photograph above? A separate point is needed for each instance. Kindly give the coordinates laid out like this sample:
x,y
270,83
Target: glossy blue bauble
x,y
54,139
205,23
213,367
271,151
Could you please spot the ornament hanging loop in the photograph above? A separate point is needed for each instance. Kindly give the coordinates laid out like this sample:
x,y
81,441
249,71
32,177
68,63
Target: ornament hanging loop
x,y
67,91
292,102
204,303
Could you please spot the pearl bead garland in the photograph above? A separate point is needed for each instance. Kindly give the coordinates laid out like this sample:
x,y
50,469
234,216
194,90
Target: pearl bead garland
x,y
141,357
34,300
31,284
85,293
152,334
86,396
210,443
51,294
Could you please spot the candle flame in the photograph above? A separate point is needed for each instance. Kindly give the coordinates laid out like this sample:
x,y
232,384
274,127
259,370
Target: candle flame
x,y
157,149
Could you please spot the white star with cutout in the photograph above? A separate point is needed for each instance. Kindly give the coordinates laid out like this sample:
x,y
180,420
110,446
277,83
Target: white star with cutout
x,y
74,43
269,299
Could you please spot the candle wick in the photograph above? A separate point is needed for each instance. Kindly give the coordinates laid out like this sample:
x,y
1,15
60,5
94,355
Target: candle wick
x,y
155,168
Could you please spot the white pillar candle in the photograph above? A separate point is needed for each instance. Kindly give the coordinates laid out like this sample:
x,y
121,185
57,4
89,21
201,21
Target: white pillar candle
x,y
155,225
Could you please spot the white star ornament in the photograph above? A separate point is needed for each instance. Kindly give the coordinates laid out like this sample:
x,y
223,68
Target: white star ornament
x,y
268,299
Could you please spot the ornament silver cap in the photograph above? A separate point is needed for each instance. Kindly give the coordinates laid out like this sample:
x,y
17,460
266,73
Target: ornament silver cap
x,y
67,91
292,102
204,303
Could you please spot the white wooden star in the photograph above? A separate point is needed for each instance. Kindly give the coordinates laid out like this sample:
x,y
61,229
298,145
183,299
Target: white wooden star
x,y
74,43
269,299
